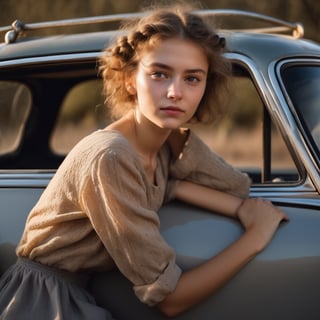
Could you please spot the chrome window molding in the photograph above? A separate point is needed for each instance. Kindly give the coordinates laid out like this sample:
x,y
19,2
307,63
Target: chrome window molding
x,y
50,59
25,179
281,118
290,122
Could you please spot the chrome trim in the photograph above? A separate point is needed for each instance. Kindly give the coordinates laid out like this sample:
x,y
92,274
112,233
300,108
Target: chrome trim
x,y
283,26
285,189
304,200
270,100
50,58
27,179
289,124
18,27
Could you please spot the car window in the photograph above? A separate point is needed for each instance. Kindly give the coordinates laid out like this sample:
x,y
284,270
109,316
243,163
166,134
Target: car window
x,y
247,138
82,112
15,106
302,84
240,136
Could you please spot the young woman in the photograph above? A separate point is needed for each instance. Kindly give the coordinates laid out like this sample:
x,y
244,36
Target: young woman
x,y
100,209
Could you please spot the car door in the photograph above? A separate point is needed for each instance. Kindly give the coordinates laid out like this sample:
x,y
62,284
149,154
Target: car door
x,y
283,281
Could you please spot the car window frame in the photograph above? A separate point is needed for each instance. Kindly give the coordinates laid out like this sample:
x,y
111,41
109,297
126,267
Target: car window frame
x,y
290,124
27,177
293,193
280,67
35,178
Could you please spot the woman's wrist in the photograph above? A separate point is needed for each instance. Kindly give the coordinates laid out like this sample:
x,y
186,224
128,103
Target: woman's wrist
x,y
242,201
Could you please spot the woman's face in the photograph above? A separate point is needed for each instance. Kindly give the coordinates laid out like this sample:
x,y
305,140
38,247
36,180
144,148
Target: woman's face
x,y
170,82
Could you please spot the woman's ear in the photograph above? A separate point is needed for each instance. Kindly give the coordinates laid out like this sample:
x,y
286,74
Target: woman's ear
x,y
129,82
131,89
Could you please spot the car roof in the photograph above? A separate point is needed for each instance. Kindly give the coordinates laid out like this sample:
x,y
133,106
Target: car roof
x,y
266,48
56,45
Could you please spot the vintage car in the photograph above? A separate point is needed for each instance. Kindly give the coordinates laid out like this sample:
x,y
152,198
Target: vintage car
x,y
50,97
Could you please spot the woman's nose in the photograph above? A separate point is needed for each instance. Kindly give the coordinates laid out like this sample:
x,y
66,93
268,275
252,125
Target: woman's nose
x,y
175,90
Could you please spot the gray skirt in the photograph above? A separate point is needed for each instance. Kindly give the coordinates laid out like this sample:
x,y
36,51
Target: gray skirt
x,y
30,290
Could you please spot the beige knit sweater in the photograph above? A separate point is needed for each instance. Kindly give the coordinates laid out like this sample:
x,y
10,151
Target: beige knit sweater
x,y
100,210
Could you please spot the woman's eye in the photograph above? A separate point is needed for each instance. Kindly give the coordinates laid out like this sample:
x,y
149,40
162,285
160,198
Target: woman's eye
x,y
192,79
158,75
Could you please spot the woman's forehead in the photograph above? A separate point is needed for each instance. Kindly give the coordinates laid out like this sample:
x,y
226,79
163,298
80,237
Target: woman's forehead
x,y
175,52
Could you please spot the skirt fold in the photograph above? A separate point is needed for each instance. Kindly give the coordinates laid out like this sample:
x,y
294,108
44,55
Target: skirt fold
x,y
29,290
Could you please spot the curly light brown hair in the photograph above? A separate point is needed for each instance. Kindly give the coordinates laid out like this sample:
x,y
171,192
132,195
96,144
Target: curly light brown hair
x,y
121,60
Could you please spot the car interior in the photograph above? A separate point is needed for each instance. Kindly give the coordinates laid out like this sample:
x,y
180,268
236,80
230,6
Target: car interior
x,y
51,106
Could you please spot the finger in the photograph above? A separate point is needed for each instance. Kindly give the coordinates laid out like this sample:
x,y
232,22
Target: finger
x,y
283,215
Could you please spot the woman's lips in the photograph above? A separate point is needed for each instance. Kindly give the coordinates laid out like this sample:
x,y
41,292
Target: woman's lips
x,y
172,110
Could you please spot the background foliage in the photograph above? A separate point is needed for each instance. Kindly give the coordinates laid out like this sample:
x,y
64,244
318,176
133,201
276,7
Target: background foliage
x,y
304,11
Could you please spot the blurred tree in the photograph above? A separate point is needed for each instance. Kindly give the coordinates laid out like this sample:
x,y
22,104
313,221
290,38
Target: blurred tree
x,y
305,11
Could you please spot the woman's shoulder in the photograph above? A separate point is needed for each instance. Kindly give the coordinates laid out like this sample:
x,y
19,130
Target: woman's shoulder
x,y
104,140
101,143
100,152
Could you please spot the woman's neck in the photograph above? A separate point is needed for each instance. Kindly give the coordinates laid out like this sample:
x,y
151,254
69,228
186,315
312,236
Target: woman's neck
x,y
145,138
148,137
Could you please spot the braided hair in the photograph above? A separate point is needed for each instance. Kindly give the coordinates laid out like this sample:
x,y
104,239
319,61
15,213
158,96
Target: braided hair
x,y
121,59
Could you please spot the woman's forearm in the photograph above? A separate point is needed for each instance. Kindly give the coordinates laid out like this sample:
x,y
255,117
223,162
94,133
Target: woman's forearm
x,y
260,220
208,198
198,283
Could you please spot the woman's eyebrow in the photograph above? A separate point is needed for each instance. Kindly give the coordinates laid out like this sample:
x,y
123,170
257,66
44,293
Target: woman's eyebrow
x,y
166,67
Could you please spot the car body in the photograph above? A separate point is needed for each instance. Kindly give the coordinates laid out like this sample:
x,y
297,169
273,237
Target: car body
x,y
270,132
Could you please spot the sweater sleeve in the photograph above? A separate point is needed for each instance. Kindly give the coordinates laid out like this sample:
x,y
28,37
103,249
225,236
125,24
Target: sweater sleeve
x,y
116,200
199,164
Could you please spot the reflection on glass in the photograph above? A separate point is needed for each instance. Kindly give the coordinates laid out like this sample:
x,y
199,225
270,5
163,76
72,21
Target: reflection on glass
x,y
303,87
15,106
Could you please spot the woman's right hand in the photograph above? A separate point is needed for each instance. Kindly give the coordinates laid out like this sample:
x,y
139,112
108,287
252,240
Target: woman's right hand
x,y
260,218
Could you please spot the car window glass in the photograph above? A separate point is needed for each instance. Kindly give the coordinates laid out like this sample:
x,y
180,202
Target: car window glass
x,y
239,136
15,106
241,124
82,112
303,87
